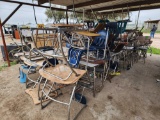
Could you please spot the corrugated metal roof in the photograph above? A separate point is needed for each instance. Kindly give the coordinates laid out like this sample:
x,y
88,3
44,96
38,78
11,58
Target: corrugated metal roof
x,y
106,5
64,2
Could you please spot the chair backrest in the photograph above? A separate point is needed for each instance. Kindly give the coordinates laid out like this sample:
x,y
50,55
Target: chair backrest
x,y
101,40
99,27
117,27
121,26
74,56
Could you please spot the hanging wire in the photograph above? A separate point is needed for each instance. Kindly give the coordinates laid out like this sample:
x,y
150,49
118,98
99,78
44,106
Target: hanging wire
x,y
93,13
73,11
113,15
122,14
138,16
128,13
34,12
52,11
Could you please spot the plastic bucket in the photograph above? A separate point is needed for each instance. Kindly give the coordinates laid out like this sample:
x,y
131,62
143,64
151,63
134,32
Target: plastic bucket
x,y
23,75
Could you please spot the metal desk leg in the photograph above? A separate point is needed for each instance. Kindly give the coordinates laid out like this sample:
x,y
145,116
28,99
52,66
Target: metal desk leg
x,y
94,82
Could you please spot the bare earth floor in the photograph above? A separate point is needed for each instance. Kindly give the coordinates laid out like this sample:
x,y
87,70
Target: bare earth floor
x,y
134,95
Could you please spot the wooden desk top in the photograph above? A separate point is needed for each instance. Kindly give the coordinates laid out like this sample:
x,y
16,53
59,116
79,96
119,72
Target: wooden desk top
x,y
89,34
67,25
32,63
61,71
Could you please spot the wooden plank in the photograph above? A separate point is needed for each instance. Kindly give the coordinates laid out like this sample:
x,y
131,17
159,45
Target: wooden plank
x,y
89,34
33,93
4,44
67,25
61,71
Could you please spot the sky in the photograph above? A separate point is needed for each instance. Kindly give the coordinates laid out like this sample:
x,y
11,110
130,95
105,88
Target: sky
x,y
25,14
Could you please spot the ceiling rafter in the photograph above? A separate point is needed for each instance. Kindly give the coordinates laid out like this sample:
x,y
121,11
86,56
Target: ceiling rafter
x,y
138,3
36,5
132,9
93,2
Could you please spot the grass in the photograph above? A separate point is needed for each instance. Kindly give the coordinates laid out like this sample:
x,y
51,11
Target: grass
x,y
148,31
6,65
154,51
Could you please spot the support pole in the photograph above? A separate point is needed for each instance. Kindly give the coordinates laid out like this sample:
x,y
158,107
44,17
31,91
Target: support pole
x,y
67,16
11,14
4,44
83,17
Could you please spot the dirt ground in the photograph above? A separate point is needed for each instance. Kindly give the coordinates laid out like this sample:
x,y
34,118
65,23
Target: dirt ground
x,y
134,95
156,40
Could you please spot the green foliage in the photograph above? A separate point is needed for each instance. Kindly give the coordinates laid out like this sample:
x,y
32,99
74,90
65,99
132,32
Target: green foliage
x,y
5,65
117,16
112,16
49,15
148,31
79,17
54,15
154,51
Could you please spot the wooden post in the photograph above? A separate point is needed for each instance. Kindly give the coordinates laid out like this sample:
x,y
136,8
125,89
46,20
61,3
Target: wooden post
x,y
67,16
4,44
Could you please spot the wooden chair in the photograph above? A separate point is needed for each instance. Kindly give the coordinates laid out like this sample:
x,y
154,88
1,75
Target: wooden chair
x,y
58,75
99,27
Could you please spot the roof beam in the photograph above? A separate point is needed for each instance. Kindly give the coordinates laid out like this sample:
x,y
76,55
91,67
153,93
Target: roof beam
x,y
132,9
15,10
36,5
138,3
42,1
93,2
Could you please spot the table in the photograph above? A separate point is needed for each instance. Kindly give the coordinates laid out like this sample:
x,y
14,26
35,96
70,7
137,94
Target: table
x,y
86,33
67,25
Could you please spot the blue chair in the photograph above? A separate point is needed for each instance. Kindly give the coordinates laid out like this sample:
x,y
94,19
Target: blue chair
x,y
116,28
74,56
99,42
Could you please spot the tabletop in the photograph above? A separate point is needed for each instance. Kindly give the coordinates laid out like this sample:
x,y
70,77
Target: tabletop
x,y
67,25
89,34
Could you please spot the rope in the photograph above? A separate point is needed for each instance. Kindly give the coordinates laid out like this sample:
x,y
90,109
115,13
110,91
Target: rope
x,y
34,13
52,11
138,16
93,13
122,14
128,12
113,14
74,15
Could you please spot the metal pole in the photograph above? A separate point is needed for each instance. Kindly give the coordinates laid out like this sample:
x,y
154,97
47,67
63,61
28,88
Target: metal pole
x,y
4,44
138,16
14,11
83,17
67,16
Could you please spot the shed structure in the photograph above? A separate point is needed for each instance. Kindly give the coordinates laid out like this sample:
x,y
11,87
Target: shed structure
x,y
149,24
106,6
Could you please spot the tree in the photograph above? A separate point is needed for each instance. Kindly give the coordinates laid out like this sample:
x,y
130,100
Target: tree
x,y
116,16
54,15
